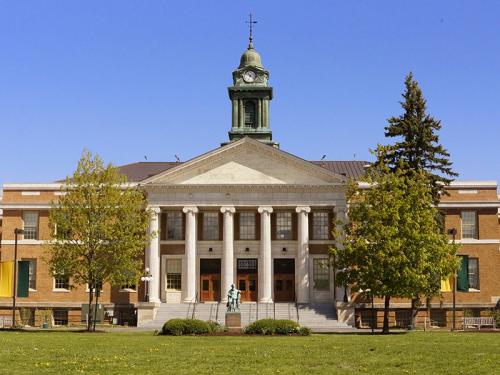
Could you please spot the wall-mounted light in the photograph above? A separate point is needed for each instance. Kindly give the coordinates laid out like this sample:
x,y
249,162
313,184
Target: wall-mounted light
x,y
284,249
210,249
247,249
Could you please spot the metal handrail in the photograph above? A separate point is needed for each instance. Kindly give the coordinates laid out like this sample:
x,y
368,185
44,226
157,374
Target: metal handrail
x,y
194,305
274,310
297,308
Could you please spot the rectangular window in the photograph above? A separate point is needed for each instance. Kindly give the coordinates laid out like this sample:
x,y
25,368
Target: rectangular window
x,y
30,219
174,225
321,275
320,225
174,274
211,226
403,318
32,274
247,225
438,318
469,225
61,317
61,282
473,272
283,225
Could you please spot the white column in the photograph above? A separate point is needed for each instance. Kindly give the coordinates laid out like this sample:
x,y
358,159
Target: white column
x,y
265,261
153,256
303,254
227,251
340,216
189,268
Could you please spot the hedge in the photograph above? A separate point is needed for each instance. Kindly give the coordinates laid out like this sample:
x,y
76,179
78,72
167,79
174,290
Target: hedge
x,y
178,327
276,327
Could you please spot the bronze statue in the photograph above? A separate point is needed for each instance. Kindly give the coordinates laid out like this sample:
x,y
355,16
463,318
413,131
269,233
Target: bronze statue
x,y
233,299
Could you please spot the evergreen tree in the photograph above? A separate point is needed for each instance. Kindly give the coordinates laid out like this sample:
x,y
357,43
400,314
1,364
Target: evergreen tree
x,y
418,147
99,228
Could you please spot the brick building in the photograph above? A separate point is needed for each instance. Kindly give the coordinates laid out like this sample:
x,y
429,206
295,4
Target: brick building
x,y
250,214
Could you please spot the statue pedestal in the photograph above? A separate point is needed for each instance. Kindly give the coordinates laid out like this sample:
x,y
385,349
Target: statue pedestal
x,y
233,321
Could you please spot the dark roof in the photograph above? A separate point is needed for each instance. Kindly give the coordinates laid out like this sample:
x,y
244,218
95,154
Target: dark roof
x,y
136,172
349,168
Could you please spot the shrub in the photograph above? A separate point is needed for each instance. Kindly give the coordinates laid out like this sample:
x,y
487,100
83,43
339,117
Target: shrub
x,y
214,326
304,331
178,327
273,327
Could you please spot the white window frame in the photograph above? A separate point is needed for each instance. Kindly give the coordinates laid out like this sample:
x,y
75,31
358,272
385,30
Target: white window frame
x,y
244,234
315,224
475,235
179,265
59,290
28,228
31,275
327,272
284,221
174,220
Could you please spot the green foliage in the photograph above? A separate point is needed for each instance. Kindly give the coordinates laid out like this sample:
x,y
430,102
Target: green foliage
x,y
99,227
495,313
214,326
179,327
273,327
305,331
393,244
418,146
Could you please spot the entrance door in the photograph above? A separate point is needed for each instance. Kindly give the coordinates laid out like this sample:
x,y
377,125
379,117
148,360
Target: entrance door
x,y
210,287
284,280
209,280
247,279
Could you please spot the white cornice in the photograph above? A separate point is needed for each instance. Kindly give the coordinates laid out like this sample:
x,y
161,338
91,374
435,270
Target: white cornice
x,y
473,184
469,204
468,241
25,206
46,186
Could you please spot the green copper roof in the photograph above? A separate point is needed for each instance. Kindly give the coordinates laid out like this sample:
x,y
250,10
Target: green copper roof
x,y
250,58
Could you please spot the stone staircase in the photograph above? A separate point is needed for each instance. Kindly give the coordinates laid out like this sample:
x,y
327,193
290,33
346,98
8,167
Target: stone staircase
x,y
318,317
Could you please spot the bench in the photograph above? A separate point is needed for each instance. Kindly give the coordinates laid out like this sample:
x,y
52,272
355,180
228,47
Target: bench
x,y
478,322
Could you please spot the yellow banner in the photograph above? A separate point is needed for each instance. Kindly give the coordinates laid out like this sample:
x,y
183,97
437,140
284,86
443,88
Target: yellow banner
x,y
446,285
6,278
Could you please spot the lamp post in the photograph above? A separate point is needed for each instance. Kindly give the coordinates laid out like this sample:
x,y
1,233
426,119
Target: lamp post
x,y
453,233
146,279
17,232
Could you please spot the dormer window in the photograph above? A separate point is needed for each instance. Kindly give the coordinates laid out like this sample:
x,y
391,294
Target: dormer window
x,y
250,114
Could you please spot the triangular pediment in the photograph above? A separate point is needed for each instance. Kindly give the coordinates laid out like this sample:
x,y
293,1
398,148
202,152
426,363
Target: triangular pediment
x,y
247,162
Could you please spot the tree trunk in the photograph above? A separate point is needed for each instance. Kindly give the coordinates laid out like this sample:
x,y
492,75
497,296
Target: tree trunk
x,y
415,302
97,292
385,329
89,314
428,305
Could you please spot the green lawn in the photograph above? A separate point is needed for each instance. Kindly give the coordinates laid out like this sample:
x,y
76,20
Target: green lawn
x,y
142,353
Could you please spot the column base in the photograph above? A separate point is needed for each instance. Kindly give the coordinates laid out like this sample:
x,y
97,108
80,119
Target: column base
x,y
266,300
188,300
154,300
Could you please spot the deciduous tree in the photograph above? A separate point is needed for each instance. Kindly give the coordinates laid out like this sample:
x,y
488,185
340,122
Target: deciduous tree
x,y
99,228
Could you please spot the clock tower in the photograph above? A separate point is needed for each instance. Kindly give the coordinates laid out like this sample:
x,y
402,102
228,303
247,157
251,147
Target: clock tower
x,y
250,96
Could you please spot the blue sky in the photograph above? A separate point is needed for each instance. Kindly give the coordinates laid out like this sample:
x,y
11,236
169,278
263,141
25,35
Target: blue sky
x,y
129,79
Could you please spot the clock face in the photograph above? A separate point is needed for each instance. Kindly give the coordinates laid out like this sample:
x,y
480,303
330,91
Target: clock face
x,y
249,76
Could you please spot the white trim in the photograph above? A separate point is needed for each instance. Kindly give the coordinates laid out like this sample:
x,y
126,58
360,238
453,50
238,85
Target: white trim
x,y
127,290
26,206
60,192
470,204
30,193
474,184
22,242
46,186
471,241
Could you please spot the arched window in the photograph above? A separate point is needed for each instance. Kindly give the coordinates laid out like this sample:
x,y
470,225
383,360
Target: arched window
x,y
250,114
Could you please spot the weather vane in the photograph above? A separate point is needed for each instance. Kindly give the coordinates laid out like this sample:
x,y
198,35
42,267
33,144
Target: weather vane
x,y
251,22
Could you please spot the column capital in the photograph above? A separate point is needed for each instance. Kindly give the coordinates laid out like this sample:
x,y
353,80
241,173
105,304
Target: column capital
x,y
267,209
192,209
305,209
229,209
155,209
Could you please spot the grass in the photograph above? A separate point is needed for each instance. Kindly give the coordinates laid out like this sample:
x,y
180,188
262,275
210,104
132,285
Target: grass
x,y
142,353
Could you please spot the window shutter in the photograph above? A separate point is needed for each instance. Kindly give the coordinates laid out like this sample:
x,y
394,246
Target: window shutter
x,y
257,226
163,226
273,226
221,226
200,226
295,224
463,274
